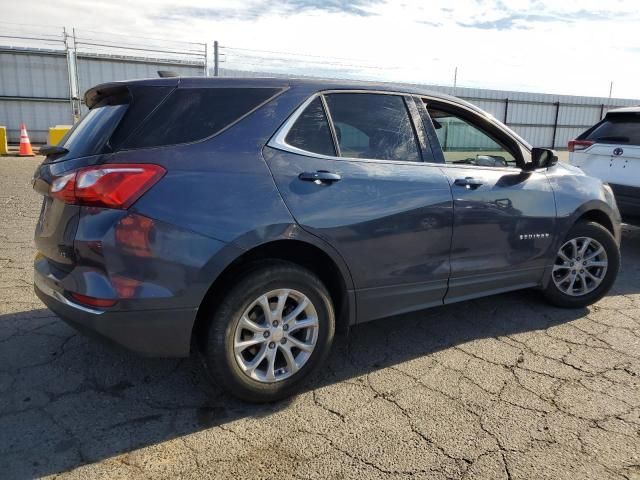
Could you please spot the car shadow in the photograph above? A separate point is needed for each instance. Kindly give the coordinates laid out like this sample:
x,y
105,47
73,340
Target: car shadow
x,y
69,401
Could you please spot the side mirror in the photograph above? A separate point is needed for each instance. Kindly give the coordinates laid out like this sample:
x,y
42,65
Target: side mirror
x,y
542,158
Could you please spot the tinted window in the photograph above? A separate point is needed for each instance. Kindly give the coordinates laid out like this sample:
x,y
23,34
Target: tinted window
x,y
90,135
621,128
143,100
464,143
311,131
373,126
191,114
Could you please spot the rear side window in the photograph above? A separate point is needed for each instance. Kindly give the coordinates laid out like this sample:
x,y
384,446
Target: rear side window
x,y
192,114
142,101
374,126
311,131
621,128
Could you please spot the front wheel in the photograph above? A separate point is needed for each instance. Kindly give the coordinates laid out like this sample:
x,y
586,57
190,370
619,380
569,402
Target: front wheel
x,y
585,267
273,329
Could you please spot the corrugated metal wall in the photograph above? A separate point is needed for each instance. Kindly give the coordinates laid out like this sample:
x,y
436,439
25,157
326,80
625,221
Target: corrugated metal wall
x,y
533,115
34,88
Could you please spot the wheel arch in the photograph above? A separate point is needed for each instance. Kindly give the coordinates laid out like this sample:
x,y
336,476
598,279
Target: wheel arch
x,y
309,254
597,211
597,216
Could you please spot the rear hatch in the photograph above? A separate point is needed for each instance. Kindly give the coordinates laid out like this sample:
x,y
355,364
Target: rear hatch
x,y
115,111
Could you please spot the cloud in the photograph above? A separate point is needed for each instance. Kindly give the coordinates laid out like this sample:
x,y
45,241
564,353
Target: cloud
x,y
258,9
351,7
528,20
496,44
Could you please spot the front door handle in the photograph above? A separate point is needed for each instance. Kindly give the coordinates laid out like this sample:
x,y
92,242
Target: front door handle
x,y
468,182
320,177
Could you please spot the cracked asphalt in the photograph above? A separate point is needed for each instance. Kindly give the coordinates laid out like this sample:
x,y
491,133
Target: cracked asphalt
x,y
504,387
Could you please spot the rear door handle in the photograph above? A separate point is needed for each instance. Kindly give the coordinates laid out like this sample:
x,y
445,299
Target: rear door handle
x,y
319,177
468,182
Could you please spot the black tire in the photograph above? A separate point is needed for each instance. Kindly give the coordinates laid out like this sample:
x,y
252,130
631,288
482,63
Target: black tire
x,y
218,352
597,232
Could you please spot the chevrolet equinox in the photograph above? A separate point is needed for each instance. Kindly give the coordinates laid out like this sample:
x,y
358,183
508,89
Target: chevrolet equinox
x,y
247,220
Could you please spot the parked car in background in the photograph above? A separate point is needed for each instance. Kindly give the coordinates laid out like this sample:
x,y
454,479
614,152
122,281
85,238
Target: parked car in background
x,y
248,219
610,151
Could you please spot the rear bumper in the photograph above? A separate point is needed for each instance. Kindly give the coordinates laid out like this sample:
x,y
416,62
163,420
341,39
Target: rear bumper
x,y
155,333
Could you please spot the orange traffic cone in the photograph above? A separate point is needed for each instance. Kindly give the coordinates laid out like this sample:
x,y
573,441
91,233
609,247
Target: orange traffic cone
x,y
25,144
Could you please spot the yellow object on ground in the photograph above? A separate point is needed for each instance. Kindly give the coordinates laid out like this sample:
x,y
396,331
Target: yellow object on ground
x,y
4,148
56,133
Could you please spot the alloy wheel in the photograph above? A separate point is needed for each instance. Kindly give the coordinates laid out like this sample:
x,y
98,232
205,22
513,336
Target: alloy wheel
x,y
276,335
580,266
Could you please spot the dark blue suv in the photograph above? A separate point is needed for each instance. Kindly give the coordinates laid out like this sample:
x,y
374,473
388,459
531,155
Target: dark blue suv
x,y
249,219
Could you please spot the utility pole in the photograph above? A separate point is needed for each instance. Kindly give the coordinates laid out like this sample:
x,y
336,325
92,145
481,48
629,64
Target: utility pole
x,y
455,77
610,89
77,105
206,59
216,60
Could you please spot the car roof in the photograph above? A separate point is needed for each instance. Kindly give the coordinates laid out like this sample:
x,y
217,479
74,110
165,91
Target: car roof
x,y
93,95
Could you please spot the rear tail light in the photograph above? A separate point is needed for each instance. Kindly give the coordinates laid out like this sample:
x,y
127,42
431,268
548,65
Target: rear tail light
x,y
92,301
110,185
577,145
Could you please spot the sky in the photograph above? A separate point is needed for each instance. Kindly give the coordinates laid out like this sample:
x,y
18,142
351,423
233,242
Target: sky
x,y
563,47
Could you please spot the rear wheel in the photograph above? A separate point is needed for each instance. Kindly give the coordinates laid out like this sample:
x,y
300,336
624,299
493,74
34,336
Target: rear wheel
x,y
585,267
273,329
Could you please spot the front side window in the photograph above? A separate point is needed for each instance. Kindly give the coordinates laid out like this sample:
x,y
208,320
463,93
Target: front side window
x,y
373,126
464,143
311,131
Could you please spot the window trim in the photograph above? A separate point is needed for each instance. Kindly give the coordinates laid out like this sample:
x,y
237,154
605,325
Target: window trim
x,y
278,140
332,127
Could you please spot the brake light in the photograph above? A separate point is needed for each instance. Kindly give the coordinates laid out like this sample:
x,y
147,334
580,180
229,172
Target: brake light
x,y
110,186
577,145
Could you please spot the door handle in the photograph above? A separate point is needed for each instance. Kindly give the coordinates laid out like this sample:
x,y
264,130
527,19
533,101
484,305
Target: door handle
x,y
468,182
320,177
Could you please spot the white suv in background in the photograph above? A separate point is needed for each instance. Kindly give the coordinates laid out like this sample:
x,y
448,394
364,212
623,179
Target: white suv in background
x,y
610,151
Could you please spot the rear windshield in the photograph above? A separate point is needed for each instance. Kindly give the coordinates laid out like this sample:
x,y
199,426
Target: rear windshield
x,y
616,128
91,134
